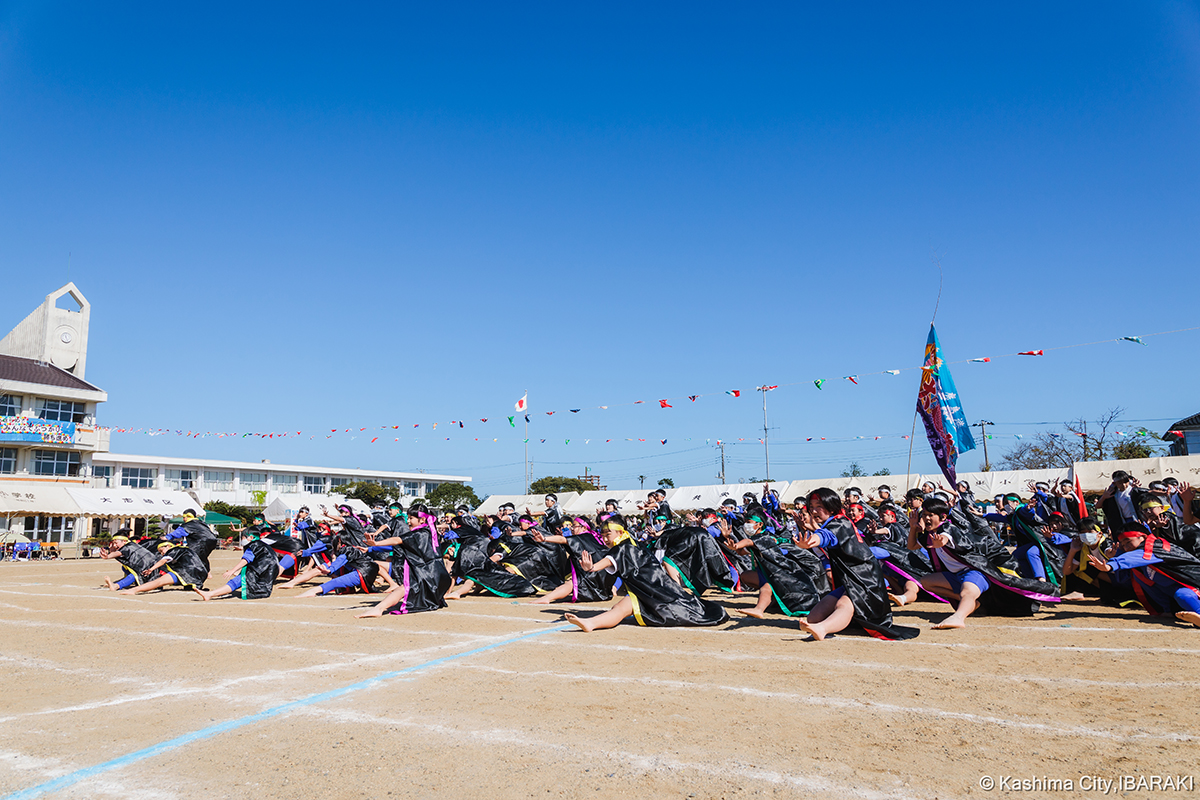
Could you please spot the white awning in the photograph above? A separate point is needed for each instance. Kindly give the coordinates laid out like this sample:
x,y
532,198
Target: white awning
x,y
36,498
125,502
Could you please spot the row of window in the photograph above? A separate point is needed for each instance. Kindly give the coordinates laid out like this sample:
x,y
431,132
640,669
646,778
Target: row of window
x,y
64,463
44,408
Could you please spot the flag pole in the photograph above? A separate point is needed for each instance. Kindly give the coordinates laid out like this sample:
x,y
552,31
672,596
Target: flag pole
x,y
527,442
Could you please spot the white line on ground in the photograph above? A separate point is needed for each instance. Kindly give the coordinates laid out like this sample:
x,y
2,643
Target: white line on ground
x,y
842,703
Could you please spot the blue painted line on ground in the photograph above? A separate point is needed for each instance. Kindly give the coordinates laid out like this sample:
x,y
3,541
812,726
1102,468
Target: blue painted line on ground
x,y
222,727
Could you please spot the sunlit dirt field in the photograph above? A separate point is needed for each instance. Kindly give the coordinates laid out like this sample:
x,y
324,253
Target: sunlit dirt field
x,y
163,696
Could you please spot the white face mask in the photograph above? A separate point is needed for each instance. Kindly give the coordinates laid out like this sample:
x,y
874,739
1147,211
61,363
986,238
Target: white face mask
x,y
1091,538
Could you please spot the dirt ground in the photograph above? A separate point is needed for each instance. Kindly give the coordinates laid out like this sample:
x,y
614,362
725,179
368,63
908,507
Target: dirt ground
x,y
495,699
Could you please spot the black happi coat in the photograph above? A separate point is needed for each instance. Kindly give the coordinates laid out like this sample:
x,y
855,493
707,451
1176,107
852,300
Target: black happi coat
x,y
796,576
186,566
472,562
258,576
1185,536
200,539
282,545
368,570
353,533
541,563
657,600
1175,563
1019,596
909,565
417,567
856,570
1027,528
135,559
698,557
588,587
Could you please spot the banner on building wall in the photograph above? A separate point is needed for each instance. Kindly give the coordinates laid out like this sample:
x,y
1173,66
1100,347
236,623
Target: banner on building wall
x,y
32,429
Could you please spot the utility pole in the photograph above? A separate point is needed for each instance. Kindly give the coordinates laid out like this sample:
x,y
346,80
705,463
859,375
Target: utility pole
x,y
721,445
766,445
1085,447
982,425
641,481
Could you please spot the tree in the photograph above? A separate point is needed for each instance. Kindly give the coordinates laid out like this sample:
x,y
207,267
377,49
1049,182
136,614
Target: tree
x,y
853,471
666,483
451,495
553,484
1134,448
1079,440
884,471
370,493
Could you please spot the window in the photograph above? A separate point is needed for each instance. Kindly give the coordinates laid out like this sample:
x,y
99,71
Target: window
x,y
50,529
254,481
55,462
8,460
286,484
218,481
138,477
181,478
10,405
336,482
429,487
314,485
389,484
61,410
102,476
411,488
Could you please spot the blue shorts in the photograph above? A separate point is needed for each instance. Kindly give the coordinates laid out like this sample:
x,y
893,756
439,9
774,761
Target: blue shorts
x,y
972,576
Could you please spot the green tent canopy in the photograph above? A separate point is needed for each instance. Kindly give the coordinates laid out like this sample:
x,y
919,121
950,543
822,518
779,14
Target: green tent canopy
x,y
212,518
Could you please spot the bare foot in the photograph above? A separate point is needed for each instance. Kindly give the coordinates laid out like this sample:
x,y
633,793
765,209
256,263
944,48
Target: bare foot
x,y
751,612
950,622
897,599
581,624
203,594
1074,596
108,584
815,629
374,612
313,592
1189,616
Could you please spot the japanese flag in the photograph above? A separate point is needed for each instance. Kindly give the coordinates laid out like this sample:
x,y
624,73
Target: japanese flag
x,y
523,403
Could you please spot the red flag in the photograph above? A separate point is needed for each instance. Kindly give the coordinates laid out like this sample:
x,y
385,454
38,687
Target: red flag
x,y
1079,497
376,439
769,388
735,393
483,419
664,404
1032,353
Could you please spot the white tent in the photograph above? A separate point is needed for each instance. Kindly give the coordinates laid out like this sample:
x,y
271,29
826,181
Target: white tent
x,y
1095,476
285,506
536,503
698,497
46,499
588,503
122,501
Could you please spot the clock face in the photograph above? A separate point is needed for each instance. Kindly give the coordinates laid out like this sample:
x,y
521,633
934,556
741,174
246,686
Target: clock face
x,y
66,337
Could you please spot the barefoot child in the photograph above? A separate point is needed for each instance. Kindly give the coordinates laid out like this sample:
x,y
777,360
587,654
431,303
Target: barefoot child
x,y
860,592
252,578
133,558
177,566
653,599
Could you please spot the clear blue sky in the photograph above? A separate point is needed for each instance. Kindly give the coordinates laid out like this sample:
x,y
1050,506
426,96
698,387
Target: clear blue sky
x,y
302,217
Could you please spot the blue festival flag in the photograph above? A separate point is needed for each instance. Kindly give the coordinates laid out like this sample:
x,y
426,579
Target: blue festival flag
x,y
939,406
